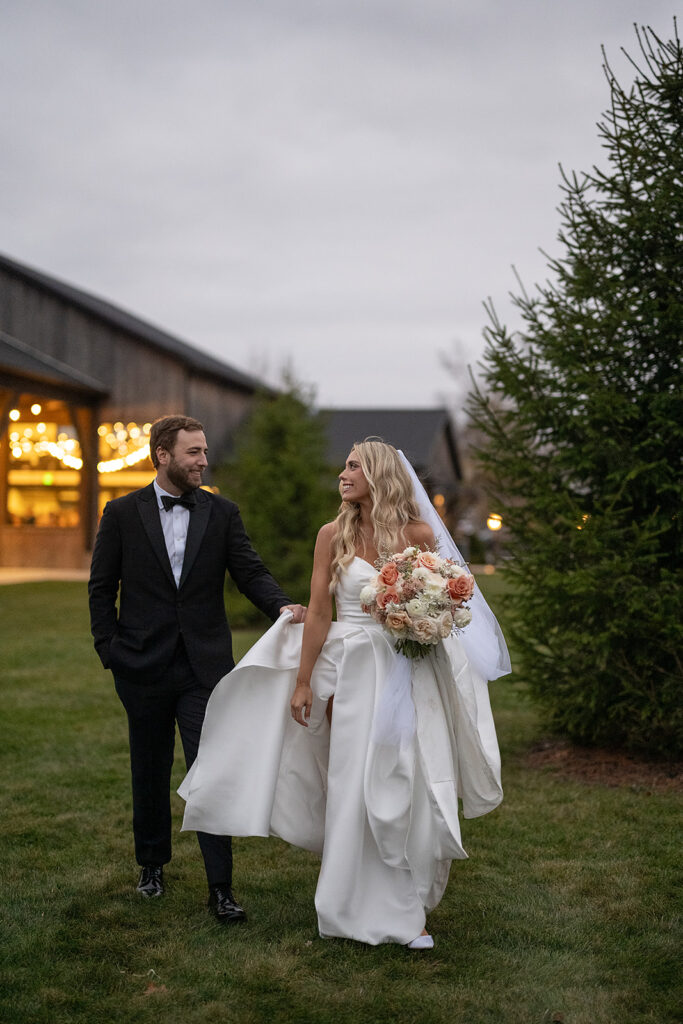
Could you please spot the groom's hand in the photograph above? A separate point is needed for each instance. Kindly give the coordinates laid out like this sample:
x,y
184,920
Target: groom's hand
x,y
298,611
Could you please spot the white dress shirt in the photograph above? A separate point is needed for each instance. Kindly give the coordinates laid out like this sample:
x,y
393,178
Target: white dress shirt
x,y
174,523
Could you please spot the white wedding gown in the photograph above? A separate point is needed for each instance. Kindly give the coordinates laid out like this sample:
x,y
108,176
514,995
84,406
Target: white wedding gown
x,y
384,816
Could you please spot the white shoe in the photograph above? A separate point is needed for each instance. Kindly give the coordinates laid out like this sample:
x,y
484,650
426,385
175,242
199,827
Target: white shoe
x,y
422,942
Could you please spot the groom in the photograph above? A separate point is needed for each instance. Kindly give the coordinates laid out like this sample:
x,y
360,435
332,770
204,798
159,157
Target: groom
x,y
164,551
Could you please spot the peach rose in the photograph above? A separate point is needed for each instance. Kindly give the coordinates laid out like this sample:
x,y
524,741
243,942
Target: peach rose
x,y
460,588
425,631
397,622
429,560
388,596
389,574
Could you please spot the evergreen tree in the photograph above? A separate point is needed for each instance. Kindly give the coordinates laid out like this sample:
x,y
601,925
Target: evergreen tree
x,y
286,491
583,420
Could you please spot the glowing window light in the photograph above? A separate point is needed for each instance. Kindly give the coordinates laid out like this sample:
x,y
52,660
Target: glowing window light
x,y
36,409
14,414
494,522
114,465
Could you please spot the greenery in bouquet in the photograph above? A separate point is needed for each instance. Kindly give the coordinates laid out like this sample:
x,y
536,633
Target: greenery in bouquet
x,y
419,598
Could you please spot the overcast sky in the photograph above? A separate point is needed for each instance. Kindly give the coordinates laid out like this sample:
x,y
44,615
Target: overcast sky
x,y
335,183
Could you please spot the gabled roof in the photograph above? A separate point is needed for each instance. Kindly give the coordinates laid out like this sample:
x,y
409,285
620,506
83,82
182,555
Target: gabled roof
x,y
18,357
124,321
414,431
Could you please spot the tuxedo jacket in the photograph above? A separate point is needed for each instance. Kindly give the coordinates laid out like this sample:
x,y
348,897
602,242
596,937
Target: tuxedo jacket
x,y
137,641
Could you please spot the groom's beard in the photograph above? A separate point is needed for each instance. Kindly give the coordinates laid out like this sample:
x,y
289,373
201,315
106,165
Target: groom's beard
x,y
182,478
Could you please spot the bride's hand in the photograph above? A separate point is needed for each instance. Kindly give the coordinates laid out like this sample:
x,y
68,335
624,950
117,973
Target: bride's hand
x,y
301,703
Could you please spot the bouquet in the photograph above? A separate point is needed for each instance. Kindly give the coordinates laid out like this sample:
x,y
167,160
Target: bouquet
x,y
419,598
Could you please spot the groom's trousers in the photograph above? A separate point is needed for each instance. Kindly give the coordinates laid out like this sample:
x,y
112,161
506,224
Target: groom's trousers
x,y
153,709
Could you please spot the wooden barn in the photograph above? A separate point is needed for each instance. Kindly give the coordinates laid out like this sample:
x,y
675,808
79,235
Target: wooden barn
x,y
80,383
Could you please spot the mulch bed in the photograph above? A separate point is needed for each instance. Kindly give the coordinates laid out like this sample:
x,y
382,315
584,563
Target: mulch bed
x,y
606,767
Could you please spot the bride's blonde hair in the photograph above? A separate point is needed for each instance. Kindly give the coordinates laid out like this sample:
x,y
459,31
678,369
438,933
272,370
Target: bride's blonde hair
x,y
393,506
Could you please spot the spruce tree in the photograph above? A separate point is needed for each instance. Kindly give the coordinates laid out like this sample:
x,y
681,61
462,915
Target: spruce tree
x,y
284,487
582,415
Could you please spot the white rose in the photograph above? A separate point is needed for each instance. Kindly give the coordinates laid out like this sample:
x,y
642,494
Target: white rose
x,y
367,595
462,617
417,607
421,573
434,586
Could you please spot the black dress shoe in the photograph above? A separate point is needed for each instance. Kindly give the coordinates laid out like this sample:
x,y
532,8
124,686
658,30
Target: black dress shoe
x,y
151,880
223,906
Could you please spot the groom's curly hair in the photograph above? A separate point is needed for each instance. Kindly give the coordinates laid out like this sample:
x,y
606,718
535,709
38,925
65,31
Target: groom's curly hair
x,y
164,433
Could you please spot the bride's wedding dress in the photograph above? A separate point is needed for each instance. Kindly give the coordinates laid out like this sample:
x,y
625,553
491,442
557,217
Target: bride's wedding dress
x,y
384,815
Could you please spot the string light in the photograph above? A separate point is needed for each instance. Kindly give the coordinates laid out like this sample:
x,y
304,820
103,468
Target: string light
x,y
129,443
114,465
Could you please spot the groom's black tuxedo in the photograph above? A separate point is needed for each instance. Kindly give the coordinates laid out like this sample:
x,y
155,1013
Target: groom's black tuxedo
x,y
168,645
139,643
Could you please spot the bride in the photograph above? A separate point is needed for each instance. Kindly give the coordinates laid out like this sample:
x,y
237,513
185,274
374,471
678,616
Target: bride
x,y
372,779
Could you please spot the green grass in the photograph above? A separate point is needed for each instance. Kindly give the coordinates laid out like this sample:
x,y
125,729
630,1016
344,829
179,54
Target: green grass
x,y
565,906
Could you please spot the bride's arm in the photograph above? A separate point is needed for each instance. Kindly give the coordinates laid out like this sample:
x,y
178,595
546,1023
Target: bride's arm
x,y
420,534
316,625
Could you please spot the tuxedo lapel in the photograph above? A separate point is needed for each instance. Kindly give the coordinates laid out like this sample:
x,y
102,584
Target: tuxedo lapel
x,y
149,514
199,519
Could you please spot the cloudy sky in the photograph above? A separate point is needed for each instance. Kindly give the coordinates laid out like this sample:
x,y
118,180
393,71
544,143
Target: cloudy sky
x,y
338,184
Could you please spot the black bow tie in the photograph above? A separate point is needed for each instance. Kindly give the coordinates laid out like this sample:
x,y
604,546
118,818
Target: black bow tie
x,y
186,500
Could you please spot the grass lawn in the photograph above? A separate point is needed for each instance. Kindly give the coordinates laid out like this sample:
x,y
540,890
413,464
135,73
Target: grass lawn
x,y
564,911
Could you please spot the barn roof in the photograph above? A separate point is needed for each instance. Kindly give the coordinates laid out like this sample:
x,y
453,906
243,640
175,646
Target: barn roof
x,y
16,357
415,431
119,318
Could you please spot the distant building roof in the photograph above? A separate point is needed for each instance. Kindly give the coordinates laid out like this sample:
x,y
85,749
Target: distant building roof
x,y
119,318
414,431
18,357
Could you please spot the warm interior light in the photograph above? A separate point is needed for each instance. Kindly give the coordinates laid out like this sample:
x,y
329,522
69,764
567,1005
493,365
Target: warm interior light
x,y
36,409
14,414
494,522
